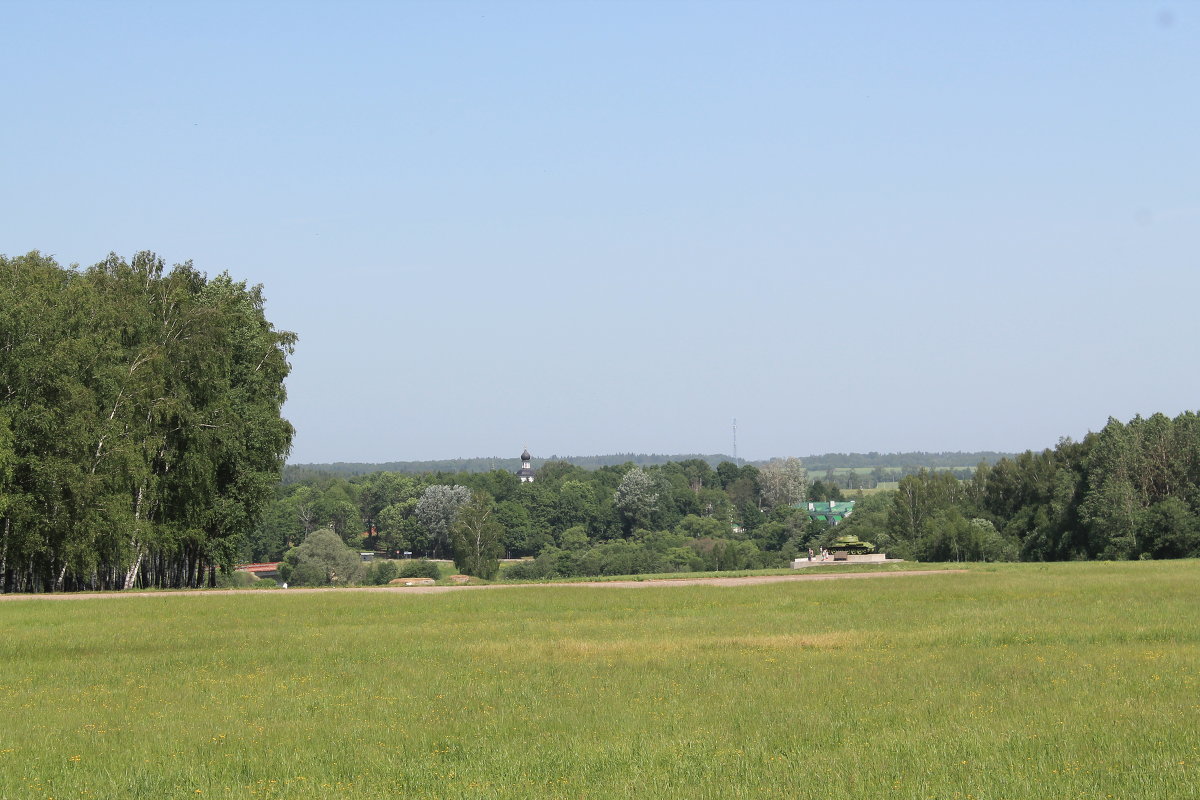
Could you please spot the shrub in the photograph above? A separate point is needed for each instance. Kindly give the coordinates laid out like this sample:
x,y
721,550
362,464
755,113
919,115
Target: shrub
x,y
550,563
522,571
380,572
419,568
725,554
618,557
622,557
321,559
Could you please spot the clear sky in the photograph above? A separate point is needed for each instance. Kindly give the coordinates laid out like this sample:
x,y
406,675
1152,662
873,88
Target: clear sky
x,y
597,227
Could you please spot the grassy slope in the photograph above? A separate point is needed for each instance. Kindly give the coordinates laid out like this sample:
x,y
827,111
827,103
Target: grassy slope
x,y
1014,681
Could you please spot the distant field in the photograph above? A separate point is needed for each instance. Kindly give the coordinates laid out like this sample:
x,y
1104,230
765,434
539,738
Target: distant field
x,y
819,474
851,494
1011,681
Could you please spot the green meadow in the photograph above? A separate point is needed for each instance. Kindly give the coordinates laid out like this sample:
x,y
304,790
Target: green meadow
x,y
1008,681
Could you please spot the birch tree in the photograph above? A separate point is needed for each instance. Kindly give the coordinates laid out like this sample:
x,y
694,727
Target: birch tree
x,y
476,536
145,418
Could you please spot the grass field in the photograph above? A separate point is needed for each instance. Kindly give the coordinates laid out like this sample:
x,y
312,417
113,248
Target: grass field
x,y
1012,681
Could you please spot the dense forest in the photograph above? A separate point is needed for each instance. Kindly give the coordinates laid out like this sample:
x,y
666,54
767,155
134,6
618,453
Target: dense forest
x,y
1130,490
140,427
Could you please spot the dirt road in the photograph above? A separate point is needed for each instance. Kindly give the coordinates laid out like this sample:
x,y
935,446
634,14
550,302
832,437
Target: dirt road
x,y
749,580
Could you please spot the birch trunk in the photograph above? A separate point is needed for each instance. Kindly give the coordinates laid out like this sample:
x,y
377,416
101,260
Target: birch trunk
x,y
4,556
131,574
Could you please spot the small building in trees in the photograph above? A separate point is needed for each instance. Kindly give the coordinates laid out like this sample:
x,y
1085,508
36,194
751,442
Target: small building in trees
x,y
526,473
260,570
831,512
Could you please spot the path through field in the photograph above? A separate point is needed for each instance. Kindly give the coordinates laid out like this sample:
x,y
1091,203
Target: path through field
x,y
746,580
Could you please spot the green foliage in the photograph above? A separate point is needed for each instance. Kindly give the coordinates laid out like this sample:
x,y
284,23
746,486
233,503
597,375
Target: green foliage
x,y
949,536
649,552
724,554
1129,490
437,510
636,498
823,492
914,504
322,559
575,538
419,568
378,573
140,427
476,537
620,557
695,527
519,537
783,482
1168,529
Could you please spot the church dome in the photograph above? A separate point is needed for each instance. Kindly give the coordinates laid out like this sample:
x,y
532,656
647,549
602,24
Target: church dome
x,y
525,454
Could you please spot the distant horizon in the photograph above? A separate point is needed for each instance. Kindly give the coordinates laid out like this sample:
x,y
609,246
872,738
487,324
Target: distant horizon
x,y
1049,444
557,457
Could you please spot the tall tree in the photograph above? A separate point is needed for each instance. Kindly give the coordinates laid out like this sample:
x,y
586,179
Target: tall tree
x,y
436,510
917,500
783,482
1113,501
636,498
476,537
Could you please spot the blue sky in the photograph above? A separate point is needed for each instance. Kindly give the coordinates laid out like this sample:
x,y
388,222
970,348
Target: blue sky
x,y
595,227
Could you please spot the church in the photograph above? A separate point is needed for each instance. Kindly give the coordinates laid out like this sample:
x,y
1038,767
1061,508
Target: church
x,y
525,473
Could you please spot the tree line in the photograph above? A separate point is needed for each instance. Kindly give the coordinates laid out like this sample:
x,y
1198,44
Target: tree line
x,y
619,519
140,427
1130,490
295,473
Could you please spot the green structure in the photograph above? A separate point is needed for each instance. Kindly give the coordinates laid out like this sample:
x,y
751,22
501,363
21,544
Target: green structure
x,y
830,512
852,545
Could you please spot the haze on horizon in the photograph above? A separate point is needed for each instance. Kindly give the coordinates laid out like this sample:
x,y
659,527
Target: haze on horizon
x,y
602,228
